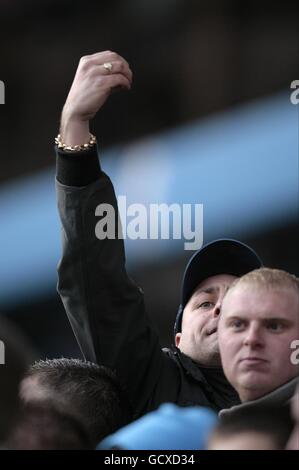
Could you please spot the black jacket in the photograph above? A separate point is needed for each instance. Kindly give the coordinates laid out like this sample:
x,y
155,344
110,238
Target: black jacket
x,y
279,398
106,308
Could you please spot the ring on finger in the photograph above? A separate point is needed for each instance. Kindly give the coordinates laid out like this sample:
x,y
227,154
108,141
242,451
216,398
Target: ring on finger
x,y
108,66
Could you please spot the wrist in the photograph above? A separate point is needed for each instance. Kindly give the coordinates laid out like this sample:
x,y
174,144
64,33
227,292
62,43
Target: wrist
x,y
73,130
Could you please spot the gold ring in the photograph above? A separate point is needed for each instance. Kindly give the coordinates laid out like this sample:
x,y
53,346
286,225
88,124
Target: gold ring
x,y
108,66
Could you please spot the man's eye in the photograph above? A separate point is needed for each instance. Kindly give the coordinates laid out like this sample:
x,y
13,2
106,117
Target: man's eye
x,y
237,324
275,326
206,304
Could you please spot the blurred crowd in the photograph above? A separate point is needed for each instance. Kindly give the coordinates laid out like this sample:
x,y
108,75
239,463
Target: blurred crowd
x,y
75,404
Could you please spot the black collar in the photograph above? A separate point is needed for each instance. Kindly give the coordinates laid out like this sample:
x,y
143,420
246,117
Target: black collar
x,y
213,379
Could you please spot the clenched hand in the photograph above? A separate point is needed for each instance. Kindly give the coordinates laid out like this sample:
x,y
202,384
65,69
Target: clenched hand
x,y
96,77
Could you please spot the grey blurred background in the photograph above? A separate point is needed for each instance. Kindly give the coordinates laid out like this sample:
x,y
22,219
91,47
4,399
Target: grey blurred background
x,y
196,64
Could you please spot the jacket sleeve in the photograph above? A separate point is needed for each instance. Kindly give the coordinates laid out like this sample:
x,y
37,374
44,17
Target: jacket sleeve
x,y
105,307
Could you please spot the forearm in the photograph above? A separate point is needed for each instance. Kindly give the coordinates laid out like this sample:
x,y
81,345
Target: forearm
x,y
105,307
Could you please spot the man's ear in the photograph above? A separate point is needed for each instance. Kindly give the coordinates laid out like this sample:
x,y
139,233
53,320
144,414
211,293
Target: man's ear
x,y
178,339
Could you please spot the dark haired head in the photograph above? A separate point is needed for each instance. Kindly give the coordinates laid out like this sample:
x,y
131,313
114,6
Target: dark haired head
x,y
88,391
42,427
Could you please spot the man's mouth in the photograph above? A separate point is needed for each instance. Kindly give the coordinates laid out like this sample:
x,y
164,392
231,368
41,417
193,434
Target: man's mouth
x,y
253,360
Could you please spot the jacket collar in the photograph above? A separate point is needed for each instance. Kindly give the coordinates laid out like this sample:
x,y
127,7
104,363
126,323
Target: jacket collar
x,y
278,397
213,379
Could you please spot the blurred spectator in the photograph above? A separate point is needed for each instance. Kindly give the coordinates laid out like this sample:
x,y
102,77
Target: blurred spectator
x,y
16,356
293,443
42,427
87,391
169,427
264,429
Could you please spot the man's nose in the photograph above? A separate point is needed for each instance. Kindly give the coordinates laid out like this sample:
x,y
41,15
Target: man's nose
x,y
218,305
216,310
253,337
